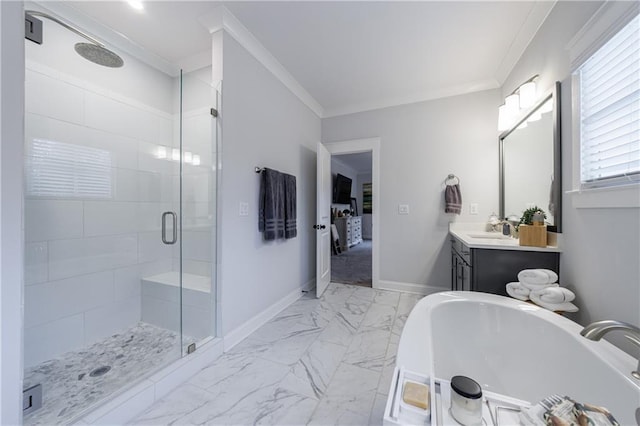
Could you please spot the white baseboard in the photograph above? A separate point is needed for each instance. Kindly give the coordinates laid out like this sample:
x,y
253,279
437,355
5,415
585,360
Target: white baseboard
x,y
241,332
409,287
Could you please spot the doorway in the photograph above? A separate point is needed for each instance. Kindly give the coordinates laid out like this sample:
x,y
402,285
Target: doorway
x,y
369,229
351,261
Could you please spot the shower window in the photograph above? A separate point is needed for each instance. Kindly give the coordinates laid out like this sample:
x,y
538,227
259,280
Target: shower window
x,y
58,169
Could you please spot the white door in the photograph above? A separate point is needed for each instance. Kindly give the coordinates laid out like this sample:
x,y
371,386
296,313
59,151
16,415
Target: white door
x,y
323,220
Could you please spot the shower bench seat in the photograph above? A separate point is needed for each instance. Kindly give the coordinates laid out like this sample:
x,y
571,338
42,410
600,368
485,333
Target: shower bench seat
x,y
161,303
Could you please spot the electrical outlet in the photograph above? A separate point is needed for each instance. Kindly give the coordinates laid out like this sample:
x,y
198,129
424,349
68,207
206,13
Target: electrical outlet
x,y
244,209
403,209
473,208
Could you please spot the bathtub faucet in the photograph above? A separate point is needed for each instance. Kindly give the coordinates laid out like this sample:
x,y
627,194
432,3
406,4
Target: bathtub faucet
x,y
597,330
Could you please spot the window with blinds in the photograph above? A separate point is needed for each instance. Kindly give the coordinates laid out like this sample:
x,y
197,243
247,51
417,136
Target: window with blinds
x,y
58,169
609,97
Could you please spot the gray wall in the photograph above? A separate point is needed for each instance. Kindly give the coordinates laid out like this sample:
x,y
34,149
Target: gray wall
x,y
420,145
265,125
601,246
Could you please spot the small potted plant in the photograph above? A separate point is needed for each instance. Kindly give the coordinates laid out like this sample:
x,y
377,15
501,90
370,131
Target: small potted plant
x,y
533,216
531,229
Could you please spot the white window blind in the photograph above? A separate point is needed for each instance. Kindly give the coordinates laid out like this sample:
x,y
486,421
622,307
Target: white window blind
x,y
58,169
610,111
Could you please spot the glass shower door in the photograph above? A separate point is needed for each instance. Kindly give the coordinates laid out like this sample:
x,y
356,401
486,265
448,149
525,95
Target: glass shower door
x,y
198,206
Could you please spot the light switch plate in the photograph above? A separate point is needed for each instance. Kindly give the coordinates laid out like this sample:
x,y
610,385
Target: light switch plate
x,y
244,209
403,209
473,208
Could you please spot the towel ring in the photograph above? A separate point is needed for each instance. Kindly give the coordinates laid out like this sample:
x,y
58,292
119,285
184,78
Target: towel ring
x,y
450,178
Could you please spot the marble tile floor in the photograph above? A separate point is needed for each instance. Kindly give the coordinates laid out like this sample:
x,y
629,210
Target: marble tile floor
x,y
68,386
326,361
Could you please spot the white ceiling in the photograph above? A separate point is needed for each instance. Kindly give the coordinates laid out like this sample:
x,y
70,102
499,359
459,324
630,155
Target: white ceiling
x,y
349,56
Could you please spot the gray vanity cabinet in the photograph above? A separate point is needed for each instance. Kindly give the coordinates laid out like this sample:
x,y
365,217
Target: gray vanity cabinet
x,y
489,270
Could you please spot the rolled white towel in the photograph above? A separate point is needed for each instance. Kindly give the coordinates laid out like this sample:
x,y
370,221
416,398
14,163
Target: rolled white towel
x,y
517,291
564,306
555,295
534,287
537,276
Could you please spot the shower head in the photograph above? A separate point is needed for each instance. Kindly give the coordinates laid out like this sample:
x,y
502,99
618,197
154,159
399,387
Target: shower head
x,y
99,55
94,51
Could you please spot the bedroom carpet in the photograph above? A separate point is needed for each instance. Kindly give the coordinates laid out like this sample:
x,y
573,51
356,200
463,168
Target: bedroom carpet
x,y
353,266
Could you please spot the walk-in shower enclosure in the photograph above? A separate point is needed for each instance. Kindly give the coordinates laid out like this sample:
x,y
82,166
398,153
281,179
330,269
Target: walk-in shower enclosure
x,y
120,221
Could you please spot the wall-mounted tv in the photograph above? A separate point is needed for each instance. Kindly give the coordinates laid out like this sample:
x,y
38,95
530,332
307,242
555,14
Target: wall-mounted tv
x,y
342,190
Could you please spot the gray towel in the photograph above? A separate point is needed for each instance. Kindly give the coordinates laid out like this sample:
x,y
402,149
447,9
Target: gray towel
x,y
271,210
452,199
290,224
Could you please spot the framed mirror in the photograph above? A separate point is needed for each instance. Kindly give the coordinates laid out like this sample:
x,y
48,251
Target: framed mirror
x,y
530,162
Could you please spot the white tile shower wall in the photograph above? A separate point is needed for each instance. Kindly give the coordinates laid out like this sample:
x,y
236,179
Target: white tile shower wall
x,y
85,256
53,338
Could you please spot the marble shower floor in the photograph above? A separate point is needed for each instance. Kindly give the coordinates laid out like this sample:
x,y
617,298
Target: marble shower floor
x,y
69,388
325,361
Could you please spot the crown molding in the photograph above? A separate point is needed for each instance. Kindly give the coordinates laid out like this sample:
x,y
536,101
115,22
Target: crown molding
x,y
423,96
222,19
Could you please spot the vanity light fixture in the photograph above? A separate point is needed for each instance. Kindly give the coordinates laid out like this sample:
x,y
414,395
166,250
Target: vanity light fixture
x,y
522,98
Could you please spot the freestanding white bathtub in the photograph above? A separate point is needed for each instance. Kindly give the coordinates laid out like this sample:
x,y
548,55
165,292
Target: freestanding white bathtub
x,y
517,349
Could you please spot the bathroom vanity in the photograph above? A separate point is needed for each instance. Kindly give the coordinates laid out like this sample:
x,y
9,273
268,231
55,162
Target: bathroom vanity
x,y
487,261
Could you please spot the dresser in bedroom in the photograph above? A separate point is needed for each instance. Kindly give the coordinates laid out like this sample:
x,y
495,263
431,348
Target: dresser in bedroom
x,y
349,231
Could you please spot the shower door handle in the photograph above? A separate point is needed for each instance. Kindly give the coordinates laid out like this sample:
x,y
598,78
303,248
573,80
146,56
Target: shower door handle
x,y
174,222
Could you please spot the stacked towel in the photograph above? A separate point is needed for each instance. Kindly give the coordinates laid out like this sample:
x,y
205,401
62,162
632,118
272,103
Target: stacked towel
x,y
537,276
555,295
518,291
453,199
530,280
554,299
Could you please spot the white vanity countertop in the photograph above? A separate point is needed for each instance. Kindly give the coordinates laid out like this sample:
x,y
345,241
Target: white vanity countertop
x,y
475,235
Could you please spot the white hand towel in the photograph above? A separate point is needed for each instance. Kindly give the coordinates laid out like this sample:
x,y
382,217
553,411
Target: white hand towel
x,y
518,291
534,287
555,295
564,306
537,276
